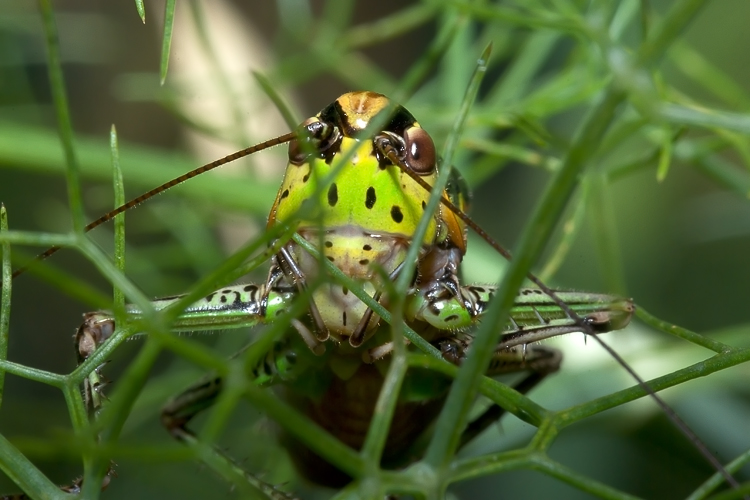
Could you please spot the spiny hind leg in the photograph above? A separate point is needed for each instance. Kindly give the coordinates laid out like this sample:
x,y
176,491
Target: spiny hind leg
x,y
96,329
180,410
279,364
177,414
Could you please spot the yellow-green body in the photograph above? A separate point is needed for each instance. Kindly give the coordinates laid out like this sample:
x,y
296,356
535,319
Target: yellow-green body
x,y
365,214
356,198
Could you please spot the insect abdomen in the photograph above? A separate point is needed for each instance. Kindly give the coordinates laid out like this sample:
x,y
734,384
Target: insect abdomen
x,y
345,410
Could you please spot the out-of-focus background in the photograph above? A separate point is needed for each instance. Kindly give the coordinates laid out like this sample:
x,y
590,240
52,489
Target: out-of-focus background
x,y
667,222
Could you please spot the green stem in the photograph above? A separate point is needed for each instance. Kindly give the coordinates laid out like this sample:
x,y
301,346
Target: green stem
x,y
5,292
717,479
453,418
119,222
34,374
38,239
114,416
674,23
504,396
65,128
25,475
701,369
680,332
377,434
166,42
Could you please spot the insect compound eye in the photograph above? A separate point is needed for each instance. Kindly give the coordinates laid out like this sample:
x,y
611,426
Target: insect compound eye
x,y
314,138
420,153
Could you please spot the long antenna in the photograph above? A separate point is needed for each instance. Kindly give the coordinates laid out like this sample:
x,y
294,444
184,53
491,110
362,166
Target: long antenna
x,y
160,189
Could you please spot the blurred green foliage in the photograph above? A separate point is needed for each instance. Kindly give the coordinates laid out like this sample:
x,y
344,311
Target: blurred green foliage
x,y
661,212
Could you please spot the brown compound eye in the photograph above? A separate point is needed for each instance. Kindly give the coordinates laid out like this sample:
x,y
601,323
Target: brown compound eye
x,y
314,137
420,151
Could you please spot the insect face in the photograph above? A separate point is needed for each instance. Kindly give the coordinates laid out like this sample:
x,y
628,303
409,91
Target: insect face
x,y
366,209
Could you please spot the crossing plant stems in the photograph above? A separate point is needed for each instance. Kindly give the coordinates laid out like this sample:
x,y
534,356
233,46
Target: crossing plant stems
x,y
630,121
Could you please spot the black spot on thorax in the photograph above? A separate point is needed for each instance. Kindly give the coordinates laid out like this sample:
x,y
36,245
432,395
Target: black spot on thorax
x,y
370,197
396,214
333,195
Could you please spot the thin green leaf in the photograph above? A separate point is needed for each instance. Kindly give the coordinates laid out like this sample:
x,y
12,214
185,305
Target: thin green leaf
x,y
683,115
143,167
665,155
389,27
5,293
568,233
23,473
166,43
709,76
141,10
270,90
604,229
716,480
119,222
62,111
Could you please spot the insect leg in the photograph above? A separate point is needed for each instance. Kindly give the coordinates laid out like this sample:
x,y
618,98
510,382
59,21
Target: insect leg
x,y
96,329
230,307
284,265
358,336
278,364
534,317
235,306
180,410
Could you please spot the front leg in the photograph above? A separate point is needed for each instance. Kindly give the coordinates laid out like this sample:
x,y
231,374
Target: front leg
x,y
284,266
